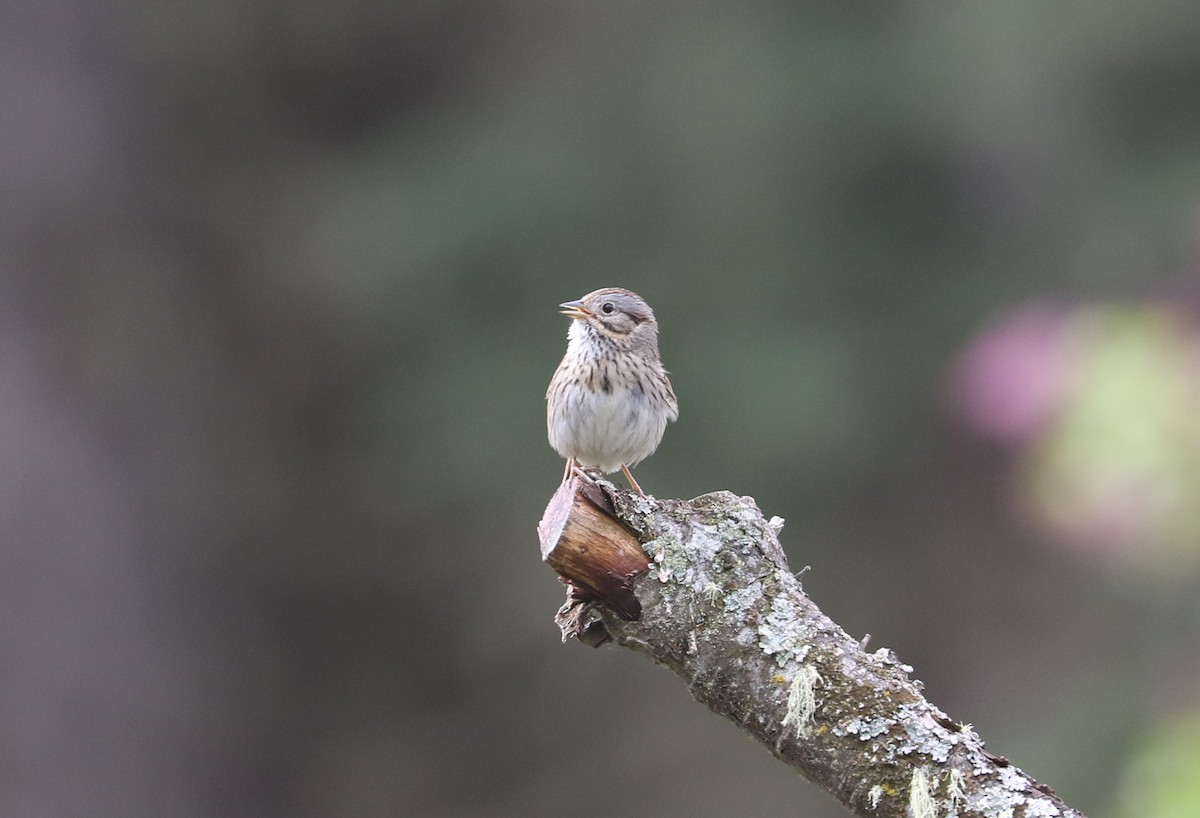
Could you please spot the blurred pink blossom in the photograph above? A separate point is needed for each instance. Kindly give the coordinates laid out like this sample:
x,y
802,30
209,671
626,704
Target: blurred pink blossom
x,y
1015,375
1101,408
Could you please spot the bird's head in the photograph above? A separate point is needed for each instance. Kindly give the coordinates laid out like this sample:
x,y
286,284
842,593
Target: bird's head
x,y
621,316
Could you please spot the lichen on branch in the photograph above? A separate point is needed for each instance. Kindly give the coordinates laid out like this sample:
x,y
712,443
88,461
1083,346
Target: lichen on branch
x,y
718,604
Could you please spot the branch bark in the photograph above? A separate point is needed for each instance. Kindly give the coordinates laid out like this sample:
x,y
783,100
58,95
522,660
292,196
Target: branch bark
x,y
703,587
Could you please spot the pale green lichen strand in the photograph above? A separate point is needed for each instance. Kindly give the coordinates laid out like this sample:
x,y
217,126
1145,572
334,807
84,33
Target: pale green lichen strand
x,y
921,803
802,700
874,796
954,792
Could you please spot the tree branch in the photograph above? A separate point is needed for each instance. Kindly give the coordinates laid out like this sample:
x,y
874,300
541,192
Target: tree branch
x,y
703,587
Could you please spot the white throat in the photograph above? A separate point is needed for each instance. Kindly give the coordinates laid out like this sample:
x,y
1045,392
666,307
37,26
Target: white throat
x,y
575,336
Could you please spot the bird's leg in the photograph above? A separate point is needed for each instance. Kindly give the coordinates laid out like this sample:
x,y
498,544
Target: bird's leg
x,y
632,483
582,472
573,467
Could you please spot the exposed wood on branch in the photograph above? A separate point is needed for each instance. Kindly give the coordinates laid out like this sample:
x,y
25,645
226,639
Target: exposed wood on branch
x,y
713,599
585,542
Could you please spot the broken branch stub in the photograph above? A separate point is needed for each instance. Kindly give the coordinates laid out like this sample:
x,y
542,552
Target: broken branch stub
x,y
584,541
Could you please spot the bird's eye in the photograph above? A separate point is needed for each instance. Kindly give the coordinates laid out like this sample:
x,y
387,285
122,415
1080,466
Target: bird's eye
x,y
607,308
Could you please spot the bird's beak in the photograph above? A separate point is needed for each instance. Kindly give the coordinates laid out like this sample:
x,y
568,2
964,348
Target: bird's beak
x,y
575,309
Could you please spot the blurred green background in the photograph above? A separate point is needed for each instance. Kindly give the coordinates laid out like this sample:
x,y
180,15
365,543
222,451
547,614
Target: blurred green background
x,y
278,288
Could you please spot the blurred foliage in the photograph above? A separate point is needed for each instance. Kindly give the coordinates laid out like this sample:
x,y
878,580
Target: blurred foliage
x,y
278,286
1163,779
1102,408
